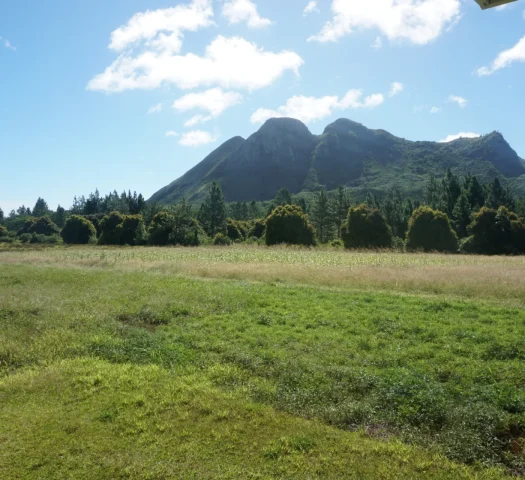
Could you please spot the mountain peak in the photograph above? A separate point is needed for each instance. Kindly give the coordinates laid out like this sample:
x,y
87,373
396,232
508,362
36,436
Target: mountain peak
x,y
344,126
284,124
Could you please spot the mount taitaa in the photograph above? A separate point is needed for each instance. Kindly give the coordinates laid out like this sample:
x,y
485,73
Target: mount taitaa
x,y
285,154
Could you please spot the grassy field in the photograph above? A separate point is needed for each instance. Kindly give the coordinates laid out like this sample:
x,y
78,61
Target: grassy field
x,y
250,362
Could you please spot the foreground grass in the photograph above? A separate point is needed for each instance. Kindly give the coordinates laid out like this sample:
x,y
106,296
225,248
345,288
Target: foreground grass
x,y
115,370
88,419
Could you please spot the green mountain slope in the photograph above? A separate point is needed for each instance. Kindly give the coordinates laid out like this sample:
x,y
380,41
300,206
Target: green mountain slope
x,y
283,153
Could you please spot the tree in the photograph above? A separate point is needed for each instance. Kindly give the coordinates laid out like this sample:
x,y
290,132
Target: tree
x,y
396,212
253,210
495,232
3,231
321,216
176,227
461,215
44,226
93,204
234,230
340,205
78,231
430,230
41,208
283,197
475,193
118,229
1,216
433,193
365,227
289,224
60,216
212,214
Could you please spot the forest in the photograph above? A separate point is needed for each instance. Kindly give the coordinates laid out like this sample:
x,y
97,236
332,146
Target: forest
x,y
457,214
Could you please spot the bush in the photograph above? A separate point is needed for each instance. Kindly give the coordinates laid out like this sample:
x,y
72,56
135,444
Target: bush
x,y
44,226
365,227
78,231
6,239
175,229
96,220
3,231
44,239
221,240
118,229
430,230
337,243
258,229
495,232
288,224
25,237
235,231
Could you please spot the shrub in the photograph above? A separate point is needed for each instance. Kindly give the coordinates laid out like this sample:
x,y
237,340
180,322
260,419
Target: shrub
x,y
6,239
365,227
258,229
44,226
3,231
96,220
175,229
289,224
44,239
221,240
337,243
495,232
118,229
78,231
235,231
25,237
430,230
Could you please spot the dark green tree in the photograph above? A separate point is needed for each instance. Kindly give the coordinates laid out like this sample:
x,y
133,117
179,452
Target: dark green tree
x,y
462,215
395,211
253,210
495,232
433,193
118,229
43,226
430,230
93,204
59,216
41,208
366,227
78,231
340,205
212,214
475,193
288,224
283,197
321,217
176,227
451,190
1,216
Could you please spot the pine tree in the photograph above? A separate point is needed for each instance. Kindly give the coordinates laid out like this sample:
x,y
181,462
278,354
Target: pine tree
x,y
475,193
462,215
60,216
253,210
41,208
433,193
451,190
283,197
1,216
321,217
212,214
340,205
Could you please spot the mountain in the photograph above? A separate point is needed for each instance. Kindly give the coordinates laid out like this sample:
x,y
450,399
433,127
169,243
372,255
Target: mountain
x,y
283,153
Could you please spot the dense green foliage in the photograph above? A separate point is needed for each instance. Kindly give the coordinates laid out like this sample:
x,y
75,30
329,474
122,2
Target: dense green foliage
x,y
365,227
222,240
118,229
212,214
176,227
495,232
78,231
288,224
430,230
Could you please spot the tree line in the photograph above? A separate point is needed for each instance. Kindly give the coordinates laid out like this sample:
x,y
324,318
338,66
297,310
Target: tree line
x,y
456,214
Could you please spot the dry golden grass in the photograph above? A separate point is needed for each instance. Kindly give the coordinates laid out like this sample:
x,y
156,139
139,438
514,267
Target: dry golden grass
x,y
497,278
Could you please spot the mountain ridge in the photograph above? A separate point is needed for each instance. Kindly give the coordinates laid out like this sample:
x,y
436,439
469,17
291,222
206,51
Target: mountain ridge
x,y
283,153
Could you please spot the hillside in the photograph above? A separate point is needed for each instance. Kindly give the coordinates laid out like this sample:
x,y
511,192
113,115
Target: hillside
x,y
284,153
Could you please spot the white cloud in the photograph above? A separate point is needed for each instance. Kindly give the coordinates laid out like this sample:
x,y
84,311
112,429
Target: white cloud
x,y
311,8
238,11
150,26
171,133
7,44
460,101
505,59
196,138
309,109
214,101
451,138
378,43
435,110
155,109
228,62
397,88
418,21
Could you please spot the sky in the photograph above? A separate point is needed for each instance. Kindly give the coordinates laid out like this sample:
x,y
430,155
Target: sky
x,y
130,94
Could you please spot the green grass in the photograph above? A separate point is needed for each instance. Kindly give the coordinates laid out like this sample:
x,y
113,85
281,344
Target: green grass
x,y
117,370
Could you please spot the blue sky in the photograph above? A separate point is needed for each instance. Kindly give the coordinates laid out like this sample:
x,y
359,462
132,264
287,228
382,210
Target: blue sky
x,y
130,94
